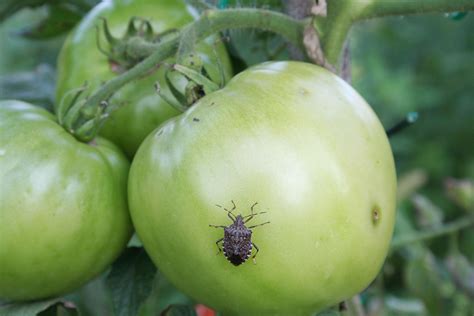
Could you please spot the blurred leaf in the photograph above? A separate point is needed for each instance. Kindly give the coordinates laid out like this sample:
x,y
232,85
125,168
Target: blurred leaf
x,y
462,273
428,214
93,299
43,308
36,87
461,192
66,309
334,311
9,7
179,310
456,15
404,306
134,241
410,182
58,20
131,281
466,243
163,295
423,277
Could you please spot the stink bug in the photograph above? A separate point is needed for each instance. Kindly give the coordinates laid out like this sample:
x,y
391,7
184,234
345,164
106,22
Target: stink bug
x,y
237,240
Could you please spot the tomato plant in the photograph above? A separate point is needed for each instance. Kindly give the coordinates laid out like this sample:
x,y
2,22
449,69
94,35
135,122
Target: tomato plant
x,y
304,145
63,215
141,108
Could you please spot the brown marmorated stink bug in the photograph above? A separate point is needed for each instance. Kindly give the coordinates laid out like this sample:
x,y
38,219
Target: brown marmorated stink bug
x,y
237,240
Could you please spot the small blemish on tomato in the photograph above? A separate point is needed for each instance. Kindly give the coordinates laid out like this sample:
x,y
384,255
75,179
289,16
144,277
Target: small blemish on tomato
x,y
159,133
303,91
376,214
195,119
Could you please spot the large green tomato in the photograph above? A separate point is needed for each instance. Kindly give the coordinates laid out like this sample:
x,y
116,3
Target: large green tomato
x,y
303,144
63,205
142,109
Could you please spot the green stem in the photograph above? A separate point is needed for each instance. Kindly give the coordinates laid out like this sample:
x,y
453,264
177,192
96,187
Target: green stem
x,y
342,14
373,9
333,30
214,21
452,227
209,23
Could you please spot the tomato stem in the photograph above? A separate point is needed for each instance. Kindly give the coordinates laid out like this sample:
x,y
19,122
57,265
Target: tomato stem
x,y
459,224
333,30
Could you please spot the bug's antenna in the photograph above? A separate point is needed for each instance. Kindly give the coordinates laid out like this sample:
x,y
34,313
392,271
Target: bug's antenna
x,y
229,213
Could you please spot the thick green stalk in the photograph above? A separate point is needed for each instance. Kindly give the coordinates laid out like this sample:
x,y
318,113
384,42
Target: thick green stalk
x,y
214,21
342,14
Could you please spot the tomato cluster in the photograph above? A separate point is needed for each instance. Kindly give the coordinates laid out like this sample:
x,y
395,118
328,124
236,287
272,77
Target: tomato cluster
x,y
287,143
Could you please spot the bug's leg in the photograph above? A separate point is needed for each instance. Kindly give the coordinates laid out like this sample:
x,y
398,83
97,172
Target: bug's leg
x,y
249,217
217,226
258,225
256,251
252,214
219,247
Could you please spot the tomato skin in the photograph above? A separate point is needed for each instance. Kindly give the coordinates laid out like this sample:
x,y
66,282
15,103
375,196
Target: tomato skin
x,y
304,145
80,61
63,205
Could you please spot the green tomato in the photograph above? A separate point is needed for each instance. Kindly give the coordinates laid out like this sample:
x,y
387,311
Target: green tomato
x,y
303,144
142,109
63,205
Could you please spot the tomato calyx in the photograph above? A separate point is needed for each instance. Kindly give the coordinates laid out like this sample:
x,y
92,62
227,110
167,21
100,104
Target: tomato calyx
x,y
120,51
198,82
78,118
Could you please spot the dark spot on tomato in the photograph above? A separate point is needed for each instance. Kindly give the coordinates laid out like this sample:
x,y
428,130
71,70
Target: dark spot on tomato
x,y
376,214
195,119
159,133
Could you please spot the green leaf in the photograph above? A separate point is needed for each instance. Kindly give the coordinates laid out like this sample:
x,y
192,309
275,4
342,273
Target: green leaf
x,y
35,87
58,20
425,279
43,308
9,7
179,310
410,182
461,192
330,312
428,214
456,16
462,273
130,281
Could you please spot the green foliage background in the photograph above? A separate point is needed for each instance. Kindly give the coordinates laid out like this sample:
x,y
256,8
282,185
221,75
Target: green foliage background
x,y
399,65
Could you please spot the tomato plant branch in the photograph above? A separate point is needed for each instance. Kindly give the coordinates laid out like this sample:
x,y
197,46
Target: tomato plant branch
x,y
343,14
449,228
373,9
214,21
211,22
